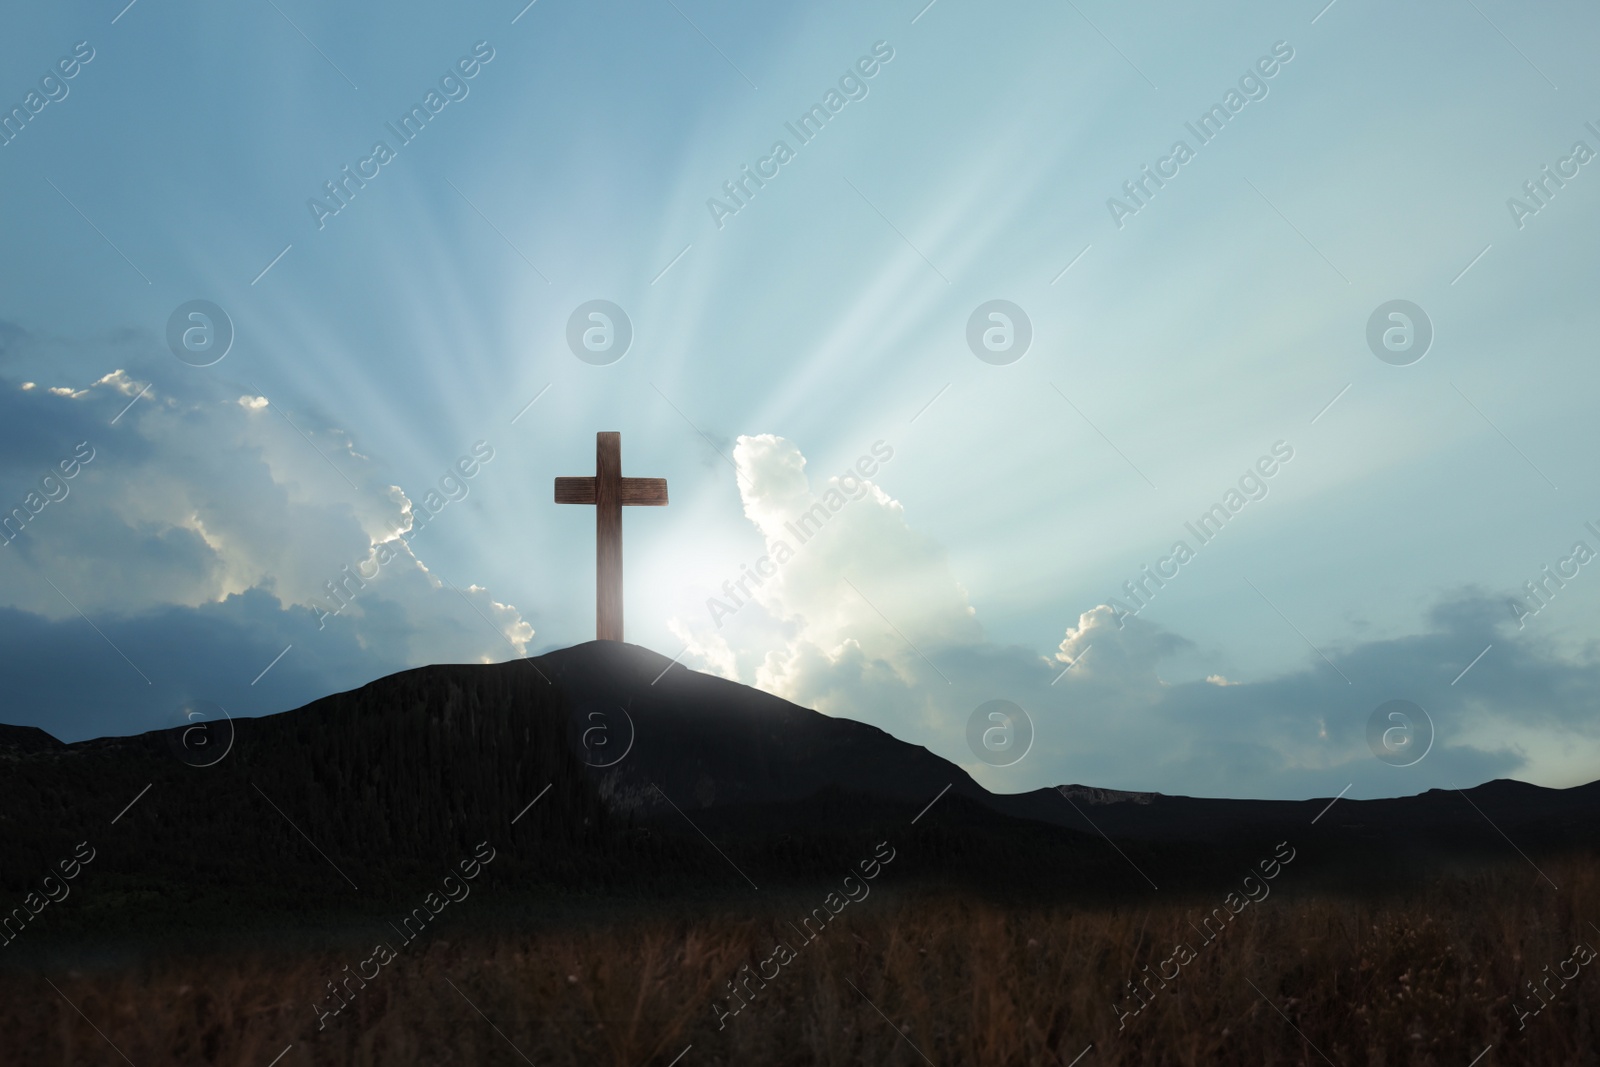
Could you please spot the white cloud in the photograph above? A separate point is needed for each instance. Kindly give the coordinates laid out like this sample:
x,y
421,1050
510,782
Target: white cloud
x,y
190,499
846,560
1125,654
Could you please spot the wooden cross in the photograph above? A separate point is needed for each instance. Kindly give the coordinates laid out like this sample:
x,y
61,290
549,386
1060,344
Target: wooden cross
x,y
608,491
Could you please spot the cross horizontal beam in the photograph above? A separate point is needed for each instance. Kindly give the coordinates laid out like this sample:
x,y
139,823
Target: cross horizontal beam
x,y
648,492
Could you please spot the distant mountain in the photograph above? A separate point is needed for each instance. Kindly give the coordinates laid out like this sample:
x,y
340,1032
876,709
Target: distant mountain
x,y
1095,795
605,768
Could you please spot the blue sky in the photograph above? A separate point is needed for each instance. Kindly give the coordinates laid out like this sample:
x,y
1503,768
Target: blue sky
x,y
1172,349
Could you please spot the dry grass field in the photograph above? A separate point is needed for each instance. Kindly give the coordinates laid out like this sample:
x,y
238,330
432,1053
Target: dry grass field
x,y
1427,977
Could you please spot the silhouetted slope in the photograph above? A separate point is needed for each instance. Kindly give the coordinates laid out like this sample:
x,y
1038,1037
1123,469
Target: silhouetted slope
x,y
23,740
370,796
1527,812
393,782
708,742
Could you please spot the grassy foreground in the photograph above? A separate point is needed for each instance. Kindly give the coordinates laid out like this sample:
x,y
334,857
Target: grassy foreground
x,y
1435,976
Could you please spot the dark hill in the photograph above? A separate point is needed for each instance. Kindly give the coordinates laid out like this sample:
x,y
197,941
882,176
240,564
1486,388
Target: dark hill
x,y
23,740
368,798
707,742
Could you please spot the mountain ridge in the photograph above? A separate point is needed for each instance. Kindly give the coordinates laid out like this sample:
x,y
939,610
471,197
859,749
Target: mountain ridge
x,y
693,786
33,739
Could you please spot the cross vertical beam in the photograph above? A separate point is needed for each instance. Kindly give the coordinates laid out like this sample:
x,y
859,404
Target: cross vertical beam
x,y
608,536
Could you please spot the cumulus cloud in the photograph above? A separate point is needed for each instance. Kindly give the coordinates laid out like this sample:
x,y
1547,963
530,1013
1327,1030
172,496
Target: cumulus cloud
x,y
1126,654
846,562
866,619
217,508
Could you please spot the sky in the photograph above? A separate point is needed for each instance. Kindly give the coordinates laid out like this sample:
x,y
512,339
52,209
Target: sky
x,y
1016,295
